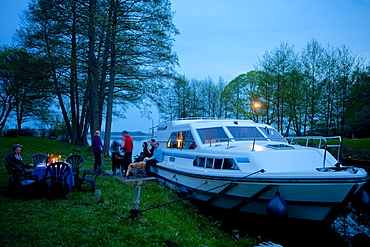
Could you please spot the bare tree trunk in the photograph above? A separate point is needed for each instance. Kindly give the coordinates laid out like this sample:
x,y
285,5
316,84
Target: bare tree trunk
x,y
93,72
112,74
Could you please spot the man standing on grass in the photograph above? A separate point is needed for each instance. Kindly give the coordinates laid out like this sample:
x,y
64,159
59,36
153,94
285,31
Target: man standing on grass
x,y
156,158
127,147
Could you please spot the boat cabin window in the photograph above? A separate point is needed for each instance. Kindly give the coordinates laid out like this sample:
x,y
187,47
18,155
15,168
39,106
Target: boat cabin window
x,y
240,132
209,135
213,163
272,134
183,139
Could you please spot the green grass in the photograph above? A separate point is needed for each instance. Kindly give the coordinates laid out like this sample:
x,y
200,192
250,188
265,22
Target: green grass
x,y
357,143
80,221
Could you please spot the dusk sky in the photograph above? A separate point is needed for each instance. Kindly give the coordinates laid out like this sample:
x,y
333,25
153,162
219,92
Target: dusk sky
x,y
225,38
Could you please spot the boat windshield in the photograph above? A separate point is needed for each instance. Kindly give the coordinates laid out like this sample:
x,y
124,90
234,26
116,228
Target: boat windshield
x,y
243,133
209,135
272,134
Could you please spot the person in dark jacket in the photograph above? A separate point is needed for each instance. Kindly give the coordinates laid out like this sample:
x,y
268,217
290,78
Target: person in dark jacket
x,y
115,151
16,158
97,148
145,153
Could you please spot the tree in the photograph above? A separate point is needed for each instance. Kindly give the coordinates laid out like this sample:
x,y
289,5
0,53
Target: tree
x,y
178,103
141,57
358,111
240,94
279,66
104,52
24,85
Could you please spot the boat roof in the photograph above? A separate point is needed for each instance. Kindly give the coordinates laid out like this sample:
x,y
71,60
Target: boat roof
x,y
207,123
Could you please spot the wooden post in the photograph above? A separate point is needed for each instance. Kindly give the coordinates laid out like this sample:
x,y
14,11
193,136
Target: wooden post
x,y
97,195
135,205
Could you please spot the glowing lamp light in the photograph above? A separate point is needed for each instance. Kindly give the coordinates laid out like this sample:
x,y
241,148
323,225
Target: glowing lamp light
x,y
256,105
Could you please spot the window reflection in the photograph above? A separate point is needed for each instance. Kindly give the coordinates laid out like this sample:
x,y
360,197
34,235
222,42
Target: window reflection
x,y
245,132
182,139
212,163
209,135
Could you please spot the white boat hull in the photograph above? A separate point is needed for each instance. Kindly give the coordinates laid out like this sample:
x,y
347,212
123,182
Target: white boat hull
x,y
309,199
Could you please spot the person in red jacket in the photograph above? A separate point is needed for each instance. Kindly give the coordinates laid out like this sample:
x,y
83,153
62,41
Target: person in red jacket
x,y
127,146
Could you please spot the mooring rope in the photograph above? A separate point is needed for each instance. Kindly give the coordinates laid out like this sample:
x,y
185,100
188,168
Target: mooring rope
x,y
135,212
206,182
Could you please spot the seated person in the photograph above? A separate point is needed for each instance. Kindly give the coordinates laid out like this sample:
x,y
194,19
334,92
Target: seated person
x,y
16,158
157,157
145,153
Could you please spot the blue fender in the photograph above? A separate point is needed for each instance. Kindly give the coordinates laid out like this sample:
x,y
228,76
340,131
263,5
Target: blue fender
x,y
277,206
182,192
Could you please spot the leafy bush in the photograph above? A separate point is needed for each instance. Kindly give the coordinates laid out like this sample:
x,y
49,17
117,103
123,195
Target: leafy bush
x,y
11,133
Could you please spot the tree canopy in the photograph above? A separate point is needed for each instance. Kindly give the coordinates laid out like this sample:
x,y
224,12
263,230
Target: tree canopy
x,y
101,53
315,91
96,58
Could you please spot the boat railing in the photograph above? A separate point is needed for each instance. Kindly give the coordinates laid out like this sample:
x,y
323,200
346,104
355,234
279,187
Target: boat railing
x,y
253,140
199,118
319,142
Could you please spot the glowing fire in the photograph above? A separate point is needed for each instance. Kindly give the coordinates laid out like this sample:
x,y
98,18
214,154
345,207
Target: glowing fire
x,y
52,158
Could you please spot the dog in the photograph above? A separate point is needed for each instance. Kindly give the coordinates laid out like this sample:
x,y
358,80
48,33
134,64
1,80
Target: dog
x,y
136,166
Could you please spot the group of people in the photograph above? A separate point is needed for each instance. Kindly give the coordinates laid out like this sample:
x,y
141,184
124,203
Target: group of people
x,y
154,153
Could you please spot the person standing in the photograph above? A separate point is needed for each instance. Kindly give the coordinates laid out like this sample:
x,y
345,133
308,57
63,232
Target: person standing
x,y
97,148
127,147
115,151
16,158
156,158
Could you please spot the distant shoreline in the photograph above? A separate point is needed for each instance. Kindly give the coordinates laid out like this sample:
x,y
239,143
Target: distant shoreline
x,y
131,136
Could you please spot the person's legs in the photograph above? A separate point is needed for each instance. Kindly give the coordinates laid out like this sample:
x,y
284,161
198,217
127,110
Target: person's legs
x,y
127,162
114,162
97,162
147,166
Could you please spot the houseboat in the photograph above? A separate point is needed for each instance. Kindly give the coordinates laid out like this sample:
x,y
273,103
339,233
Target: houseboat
x,y
249,167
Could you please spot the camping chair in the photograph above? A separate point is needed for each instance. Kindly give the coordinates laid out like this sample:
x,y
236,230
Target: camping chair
x,y
56,176
76,161
39,158
19,180
92,179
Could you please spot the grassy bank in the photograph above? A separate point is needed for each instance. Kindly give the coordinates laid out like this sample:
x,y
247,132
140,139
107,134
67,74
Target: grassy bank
x,y
357,149
80,221
358,143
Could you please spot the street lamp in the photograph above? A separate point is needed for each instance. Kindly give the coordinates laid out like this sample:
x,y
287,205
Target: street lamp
x,y
256,106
